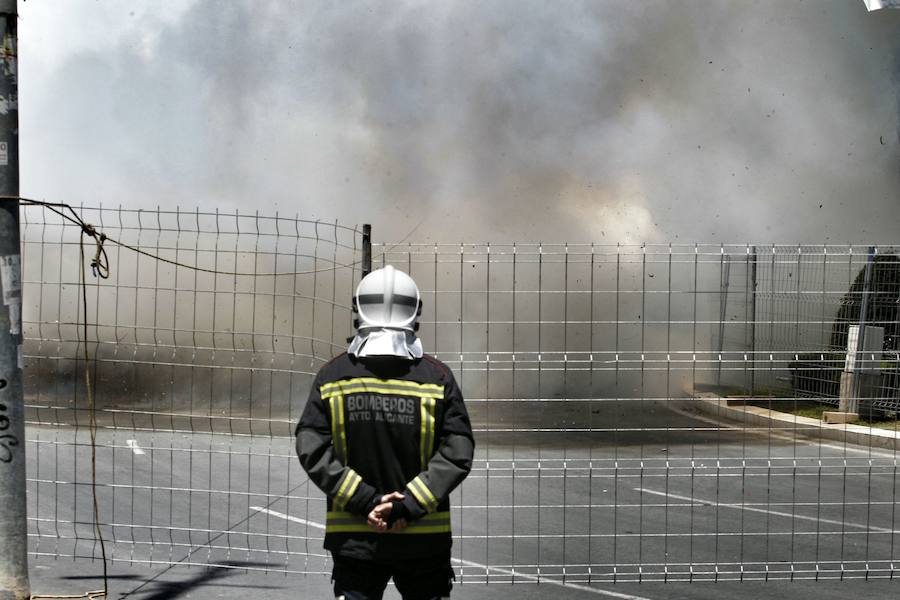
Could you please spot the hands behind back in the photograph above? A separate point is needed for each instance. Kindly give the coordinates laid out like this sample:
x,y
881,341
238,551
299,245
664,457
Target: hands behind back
x,y
380,517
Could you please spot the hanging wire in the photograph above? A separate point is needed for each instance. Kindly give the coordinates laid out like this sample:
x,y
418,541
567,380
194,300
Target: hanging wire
x,y
100,268
100,263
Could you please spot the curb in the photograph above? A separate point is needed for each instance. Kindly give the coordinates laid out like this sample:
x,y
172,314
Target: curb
x,y
844,433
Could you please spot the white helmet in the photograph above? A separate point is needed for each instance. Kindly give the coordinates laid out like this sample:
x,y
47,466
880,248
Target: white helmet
x,y
388,298
389,306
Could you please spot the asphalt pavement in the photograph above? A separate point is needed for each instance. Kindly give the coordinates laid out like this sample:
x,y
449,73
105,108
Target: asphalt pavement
x,y
669,505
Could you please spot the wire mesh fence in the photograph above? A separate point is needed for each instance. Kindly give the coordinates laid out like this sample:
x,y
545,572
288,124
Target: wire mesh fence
x,y
582,366
206,341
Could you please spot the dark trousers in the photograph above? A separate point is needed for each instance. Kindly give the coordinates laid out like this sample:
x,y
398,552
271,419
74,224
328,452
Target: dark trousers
x,y
421,579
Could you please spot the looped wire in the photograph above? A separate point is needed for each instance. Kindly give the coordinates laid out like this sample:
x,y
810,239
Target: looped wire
x,y
100,263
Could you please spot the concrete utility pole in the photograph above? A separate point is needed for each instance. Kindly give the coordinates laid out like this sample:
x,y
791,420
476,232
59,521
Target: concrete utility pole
x,y
13,525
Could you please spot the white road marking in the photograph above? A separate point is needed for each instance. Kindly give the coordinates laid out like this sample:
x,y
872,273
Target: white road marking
x,y
134,447
468,563
551,581
287,517
763,510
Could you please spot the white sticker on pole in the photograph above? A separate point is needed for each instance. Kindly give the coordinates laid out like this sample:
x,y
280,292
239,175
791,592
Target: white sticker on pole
x,y
4,154
15,317
11,278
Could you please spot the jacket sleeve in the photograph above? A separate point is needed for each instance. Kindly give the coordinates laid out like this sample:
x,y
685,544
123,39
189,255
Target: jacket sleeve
x,y
343,486
450,463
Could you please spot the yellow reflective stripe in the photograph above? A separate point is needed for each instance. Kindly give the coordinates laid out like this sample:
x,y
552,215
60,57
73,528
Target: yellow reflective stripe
x,y
340,515
342,428
335,435
349,494
431,421
423,494
378,389
346,489
433,387
418,494
424,428
425,529
344,522
338,428
426,435
371,384
432,500
366,529
348,529
348,475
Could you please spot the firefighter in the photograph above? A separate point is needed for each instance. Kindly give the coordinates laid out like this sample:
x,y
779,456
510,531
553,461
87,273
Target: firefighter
x,y
386,436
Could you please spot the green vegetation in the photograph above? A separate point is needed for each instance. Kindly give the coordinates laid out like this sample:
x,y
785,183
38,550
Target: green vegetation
x,y
818,374
814,410
809,408
882,308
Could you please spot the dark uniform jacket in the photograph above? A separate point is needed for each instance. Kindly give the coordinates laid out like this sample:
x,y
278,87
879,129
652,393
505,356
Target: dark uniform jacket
x,y
378,425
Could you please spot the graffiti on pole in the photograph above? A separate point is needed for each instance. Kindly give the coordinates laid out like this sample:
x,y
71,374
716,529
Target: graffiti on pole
x,y
7,440
11,282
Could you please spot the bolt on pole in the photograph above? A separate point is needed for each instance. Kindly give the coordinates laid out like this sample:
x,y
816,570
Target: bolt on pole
x,y
13,524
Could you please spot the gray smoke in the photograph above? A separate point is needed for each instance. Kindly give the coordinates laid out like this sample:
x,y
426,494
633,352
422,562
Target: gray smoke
x,y
575,121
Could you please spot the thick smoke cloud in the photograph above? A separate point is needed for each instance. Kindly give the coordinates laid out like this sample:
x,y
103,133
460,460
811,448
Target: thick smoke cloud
x,y
502,121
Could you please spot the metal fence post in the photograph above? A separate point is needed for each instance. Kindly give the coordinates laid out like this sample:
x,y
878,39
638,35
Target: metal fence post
x,y
753,277
853,369
366,249
724,280
861,337
13,524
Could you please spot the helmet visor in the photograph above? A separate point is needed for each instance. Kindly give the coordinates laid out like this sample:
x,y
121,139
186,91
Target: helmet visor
x,y
381,311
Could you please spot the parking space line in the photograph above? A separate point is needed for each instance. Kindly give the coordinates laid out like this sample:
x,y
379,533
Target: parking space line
x,y
536,579
134,446
487,568
766,511
275,513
